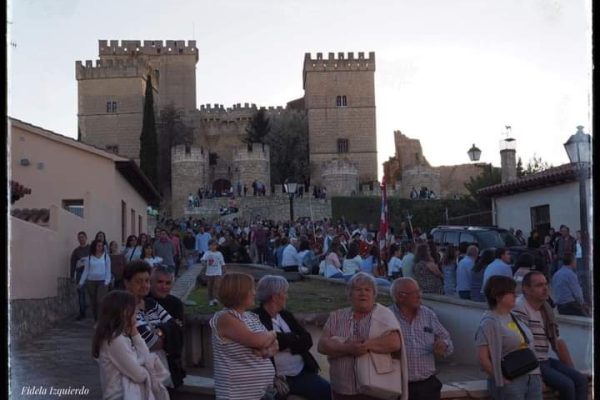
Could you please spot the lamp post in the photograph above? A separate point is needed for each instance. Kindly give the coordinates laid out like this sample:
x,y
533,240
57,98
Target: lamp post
x,y
290,187
578,149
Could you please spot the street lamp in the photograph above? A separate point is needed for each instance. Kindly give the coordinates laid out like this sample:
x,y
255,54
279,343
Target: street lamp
x,y
290,187
578,149
474,153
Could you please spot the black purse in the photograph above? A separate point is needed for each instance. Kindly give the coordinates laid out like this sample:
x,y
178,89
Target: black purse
x,y
519,362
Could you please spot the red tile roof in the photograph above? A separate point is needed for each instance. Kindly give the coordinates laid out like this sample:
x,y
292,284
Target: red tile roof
x,y
552,176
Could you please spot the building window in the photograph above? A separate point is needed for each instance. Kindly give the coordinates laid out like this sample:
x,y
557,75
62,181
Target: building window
x,y
112,148
540,219
74,206
140,227
111,106
342,146
341,101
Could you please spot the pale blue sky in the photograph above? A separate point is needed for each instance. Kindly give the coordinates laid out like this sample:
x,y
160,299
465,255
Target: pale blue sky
x,y
449,72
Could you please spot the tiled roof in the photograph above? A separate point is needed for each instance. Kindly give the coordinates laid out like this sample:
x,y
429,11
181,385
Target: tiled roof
x,y
549,177
35,215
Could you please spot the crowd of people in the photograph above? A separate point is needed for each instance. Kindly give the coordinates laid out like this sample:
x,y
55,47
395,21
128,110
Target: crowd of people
x,y
264,353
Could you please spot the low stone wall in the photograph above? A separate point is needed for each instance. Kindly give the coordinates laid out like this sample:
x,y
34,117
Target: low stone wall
x,y
29,317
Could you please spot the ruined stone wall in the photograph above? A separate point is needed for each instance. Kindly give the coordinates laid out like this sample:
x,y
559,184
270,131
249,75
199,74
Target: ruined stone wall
x,y
328,121
340,177
418,177
409,152
454,177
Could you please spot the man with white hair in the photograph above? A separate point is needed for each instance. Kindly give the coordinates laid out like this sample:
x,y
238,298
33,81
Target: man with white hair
x,y
424,337
289,260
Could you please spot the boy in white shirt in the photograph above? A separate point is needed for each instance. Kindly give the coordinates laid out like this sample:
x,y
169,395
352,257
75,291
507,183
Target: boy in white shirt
x,y
395,263
214,265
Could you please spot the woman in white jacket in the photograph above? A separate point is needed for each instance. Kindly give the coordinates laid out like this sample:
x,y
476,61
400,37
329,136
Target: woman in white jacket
x,y
127,368
96,274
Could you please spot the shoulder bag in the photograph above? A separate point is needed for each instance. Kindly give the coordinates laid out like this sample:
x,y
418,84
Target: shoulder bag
x,y
519,362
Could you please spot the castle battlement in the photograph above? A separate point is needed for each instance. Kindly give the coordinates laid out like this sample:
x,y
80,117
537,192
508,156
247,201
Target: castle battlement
x,y
118,68
148,47
179,153
339,167
341,62
260,152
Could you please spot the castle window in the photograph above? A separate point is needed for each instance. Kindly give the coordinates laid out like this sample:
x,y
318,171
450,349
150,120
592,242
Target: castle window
x,y
111,106
342,146
114,106
188,149
112,148
108,106
341,101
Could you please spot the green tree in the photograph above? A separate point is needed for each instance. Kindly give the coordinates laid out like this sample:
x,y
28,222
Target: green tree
x,y
535,165
489,176
79,134
288,140
258,128
519,168
148,138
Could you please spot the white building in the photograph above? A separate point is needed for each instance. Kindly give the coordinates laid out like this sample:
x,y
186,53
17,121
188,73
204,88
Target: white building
x,y
546,199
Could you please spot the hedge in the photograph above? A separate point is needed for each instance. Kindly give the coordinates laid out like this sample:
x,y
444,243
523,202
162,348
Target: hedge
x,y
426,214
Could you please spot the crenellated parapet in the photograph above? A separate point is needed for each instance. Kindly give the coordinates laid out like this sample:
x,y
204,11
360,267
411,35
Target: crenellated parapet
x,y
237,112
340,177
147,47
118,68
259,152
341,62
182,153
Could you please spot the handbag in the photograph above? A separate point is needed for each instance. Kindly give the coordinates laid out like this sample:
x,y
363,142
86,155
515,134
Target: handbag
x,y
519,362
379,375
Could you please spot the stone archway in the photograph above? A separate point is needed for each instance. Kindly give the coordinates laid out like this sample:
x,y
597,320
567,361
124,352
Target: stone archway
x,y
221,187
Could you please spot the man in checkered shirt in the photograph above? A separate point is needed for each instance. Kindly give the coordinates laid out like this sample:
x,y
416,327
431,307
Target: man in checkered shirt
x,y
424,338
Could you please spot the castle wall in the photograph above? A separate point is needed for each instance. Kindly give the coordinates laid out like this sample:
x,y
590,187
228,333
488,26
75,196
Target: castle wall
x,y
174,59
324,81
123,83
454,177
340,177
189,171
418,177
250,166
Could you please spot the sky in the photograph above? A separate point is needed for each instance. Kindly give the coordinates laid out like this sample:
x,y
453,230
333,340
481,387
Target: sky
x,y
451,73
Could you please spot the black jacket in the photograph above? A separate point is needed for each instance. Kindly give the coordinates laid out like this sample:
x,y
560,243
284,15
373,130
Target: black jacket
x,y
298,340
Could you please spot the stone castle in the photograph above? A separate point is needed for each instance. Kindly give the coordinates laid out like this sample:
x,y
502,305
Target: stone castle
x,y
339,101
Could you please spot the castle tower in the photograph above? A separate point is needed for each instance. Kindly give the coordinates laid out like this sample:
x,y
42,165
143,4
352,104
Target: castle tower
x,y
174,60
189,170
340,177
252,164
339,96
111,97
418,177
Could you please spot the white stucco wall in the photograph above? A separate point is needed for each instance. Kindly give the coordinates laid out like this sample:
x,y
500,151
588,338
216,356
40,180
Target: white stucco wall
x,y
515,210
61,169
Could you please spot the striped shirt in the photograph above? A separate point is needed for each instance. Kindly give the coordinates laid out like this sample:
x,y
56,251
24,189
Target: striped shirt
x,y
534,320
239,373
341,324
419,336
147,320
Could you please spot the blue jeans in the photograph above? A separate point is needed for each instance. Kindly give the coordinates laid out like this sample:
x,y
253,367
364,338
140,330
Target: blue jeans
x,y
81,298
570,383
309,385
526,387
